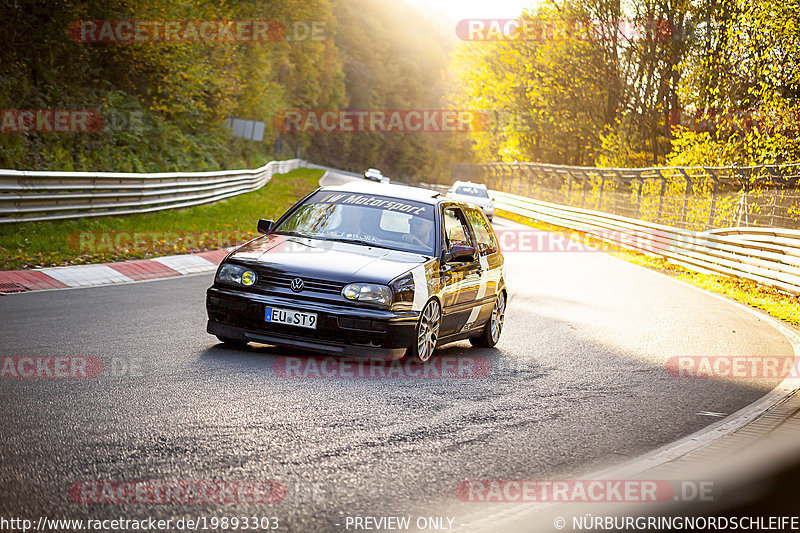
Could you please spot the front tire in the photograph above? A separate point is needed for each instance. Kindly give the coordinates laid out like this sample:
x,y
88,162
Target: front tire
x,y
427,332
494,326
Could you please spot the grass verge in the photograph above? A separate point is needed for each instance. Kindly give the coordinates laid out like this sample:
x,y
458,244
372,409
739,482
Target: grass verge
x,y
195,229
772,301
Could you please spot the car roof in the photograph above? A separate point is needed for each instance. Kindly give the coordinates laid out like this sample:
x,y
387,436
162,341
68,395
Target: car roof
x,y
387,189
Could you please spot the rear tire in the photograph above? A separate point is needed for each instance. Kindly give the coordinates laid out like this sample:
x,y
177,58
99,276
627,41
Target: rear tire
x,y
230,342
494,326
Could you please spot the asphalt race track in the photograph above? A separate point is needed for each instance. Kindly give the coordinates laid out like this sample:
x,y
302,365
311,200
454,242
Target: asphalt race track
x,y
577,381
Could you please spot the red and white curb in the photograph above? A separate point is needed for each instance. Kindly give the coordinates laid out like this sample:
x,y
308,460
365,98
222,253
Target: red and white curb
x,y
12,281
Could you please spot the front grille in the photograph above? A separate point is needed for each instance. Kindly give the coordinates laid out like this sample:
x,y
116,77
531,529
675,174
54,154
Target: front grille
x,y
271,280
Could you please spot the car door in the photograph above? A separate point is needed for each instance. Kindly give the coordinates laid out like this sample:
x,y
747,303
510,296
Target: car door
x,y
491,263
461,279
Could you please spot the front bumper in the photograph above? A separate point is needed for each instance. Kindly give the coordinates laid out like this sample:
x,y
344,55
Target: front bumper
x,y
341,329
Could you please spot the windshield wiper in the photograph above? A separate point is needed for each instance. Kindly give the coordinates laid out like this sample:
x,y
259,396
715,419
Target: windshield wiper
x,y
356,241
293,234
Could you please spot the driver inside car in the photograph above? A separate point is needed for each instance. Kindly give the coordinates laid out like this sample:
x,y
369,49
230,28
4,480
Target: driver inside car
x,y
420,232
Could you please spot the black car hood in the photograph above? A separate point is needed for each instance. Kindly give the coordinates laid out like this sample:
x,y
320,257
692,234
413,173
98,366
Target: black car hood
x,y
326,259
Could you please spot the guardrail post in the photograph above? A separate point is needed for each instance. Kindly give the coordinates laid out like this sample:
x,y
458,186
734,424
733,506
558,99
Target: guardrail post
x,y
600,199
713,208
497,172
555,187
514,179
617,177
686,194
584,187
639,197
774,194
661,194
569,186
772,211
529,177
743,207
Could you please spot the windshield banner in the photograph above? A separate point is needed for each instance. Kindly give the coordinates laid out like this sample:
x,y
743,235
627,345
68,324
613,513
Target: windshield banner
x,y
377,202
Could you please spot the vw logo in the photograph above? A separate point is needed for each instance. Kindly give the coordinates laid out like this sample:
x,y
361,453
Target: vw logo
x,y
297,284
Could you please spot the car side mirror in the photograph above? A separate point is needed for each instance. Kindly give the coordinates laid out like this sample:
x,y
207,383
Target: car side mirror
x,y
460,254
264,226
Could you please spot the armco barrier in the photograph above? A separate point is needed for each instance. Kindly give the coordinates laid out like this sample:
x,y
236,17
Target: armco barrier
x,y
769,256
33,195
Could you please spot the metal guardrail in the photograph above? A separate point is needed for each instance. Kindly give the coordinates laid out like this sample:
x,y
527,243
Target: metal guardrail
x,y
354,175
28,196
770,256
695,198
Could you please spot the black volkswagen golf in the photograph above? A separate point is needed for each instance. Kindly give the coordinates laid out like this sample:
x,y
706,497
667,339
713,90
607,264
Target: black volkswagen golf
x,y
364,270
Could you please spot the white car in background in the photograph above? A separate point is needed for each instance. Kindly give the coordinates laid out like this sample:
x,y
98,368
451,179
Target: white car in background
x,y
473,193
373,174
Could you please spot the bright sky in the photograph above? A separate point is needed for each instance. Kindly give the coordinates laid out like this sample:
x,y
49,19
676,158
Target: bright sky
x,y
456,10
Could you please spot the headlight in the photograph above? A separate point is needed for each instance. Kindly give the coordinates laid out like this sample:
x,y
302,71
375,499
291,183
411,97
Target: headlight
x,y
369,293
236,274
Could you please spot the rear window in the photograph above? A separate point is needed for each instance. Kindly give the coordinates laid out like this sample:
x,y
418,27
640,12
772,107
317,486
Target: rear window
x,y
480,192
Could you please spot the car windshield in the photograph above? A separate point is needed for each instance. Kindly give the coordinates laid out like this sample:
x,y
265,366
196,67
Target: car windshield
x,y
371,220
480,192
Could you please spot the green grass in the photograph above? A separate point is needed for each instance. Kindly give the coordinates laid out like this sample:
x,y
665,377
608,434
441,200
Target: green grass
x,y
105,239
772,301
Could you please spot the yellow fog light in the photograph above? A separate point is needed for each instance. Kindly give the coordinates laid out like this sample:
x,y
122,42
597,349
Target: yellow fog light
x,y
248,277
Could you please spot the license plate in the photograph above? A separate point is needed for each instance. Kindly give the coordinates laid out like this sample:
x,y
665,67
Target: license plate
x,y
291,318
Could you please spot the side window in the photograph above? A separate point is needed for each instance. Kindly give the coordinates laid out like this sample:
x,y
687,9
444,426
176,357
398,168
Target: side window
x,y
486,243
455,228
